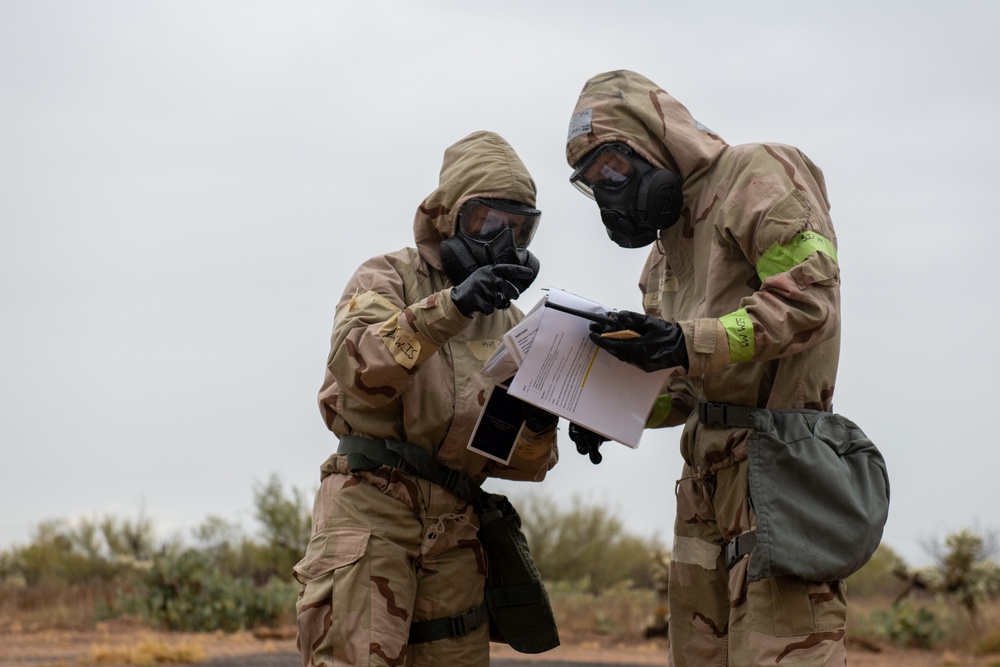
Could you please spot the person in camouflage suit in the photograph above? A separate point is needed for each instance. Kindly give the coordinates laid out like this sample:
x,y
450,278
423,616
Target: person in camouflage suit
x,y
741,299
390,550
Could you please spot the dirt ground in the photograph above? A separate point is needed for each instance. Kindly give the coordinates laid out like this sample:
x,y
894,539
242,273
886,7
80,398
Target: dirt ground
x,y
54,648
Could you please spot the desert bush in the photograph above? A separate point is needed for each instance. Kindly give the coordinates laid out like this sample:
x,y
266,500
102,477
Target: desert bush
x,y
965,568
878,578
910,625
585,543
85,552
284,526
189,593
619,610
285,523
72,573
948,604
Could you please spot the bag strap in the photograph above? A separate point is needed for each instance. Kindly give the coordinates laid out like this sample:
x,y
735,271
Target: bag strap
x,y
724,414
368,454
458,625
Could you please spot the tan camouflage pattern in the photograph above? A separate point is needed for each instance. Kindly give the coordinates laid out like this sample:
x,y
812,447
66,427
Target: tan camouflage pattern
x,y
365,582
389,549
738,202
400,347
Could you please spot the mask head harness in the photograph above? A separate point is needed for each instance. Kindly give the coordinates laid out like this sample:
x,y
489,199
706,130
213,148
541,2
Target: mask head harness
x,y
490,231
637,200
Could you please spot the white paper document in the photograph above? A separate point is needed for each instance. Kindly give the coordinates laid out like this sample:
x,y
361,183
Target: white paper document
x,y
566,374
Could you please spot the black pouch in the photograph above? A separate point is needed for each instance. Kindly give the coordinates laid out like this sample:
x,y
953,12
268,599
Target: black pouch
x,y
520,612
820,490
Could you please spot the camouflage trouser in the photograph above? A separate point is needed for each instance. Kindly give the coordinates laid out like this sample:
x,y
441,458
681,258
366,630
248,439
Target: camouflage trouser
x,y
387,550
716,617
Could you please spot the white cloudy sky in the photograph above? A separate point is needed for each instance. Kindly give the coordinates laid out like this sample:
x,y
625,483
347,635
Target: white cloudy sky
x,y
185,187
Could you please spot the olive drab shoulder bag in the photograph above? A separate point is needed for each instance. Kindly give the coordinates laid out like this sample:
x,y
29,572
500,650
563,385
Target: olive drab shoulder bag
x,y
818,486
520,612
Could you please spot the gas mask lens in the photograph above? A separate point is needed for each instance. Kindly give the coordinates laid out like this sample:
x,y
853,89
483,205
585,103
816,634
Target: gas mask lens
x,y
608,167
483,219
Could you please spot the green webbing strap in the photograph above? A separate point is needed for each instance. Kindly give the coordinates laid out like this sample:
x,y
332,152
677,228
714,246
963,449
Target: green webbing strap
x,y
368,454
458,625
739,329
780,258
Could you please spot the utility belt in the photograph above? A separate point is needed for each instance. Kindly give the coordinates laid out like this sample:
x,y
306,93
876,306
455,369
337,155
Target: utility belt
x,y
516,604
819,489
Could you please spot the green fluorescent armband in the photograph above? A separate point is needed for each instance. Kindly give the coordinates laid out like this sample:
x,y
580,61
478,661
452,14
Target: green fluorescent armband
x,y
660,412
781,258
739,328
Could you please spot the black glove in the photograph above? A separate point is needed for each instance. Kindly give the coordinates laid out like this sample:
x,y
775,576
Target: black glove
x,y
489,287
587,442
536,418
660,344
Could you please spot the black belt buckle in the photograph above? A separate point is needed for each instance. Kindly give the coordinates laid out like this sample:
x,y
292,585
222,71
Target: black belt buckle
x,y
712,414
458,625
732,551
740,546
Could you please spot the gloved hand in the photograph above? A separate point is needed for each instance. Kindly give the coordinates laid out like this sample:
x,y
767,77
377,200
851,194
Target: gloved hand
x,y
489,287
660,344
587,442
536,418
529,261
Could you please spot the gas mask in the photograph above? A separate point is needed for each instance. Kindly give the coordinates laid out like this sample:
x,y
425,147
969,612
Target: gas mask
x,y
490,231
637,200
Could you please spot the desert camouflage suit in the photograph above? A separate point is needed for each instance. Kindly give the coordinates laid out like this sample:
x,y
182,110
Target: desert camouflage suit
x,y
750,274
389,549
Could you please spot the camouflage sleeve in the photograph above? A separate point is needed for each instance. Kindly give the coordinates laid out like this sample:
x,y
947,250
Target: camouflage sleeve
x,y
379,340
792,246
674,404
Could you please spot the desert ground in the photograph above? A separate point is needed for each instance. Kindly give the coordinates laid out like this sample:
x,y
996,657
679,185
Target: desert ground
x,y
119,643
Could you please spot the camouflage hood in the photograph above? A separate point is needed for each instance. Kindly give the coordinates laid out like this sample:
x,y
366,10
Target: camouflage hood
x,y
480,165
627,107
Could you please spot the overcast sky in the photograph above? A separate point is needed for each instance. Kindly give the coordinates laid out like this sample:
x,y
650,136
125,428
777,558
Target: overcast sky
x,y
185,188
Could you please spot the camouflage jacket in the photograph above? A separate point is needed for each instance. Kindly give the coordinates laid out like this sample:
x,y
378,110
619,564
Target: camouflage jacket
x,y
404,363
749,271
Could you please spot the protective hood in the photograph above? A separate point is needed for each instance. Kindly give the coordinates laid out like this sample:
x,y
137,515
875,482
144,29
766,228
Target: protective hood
x,y
628,107
482,164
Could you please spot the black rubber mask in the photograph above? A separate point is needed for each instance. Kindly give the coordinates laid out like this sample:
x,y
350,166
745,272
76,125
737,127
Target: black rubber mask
x,y
637,200
461,255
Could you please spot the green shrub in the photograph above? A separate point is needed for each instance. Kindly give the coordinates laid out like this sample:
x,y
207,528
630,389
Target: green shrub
x,y
85,552
909,625
585,543
286,525
189,593
879,577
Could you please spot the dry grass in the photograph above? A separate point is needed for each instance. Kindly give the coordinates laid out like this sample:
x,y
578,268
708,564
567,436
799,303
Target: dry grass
x,y
612,616
147,652
52,607
621,613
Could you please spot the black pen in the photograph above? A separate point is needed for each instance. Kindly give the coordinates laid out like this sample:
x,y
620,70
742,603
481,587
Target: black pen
x,y
593,317
607,320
